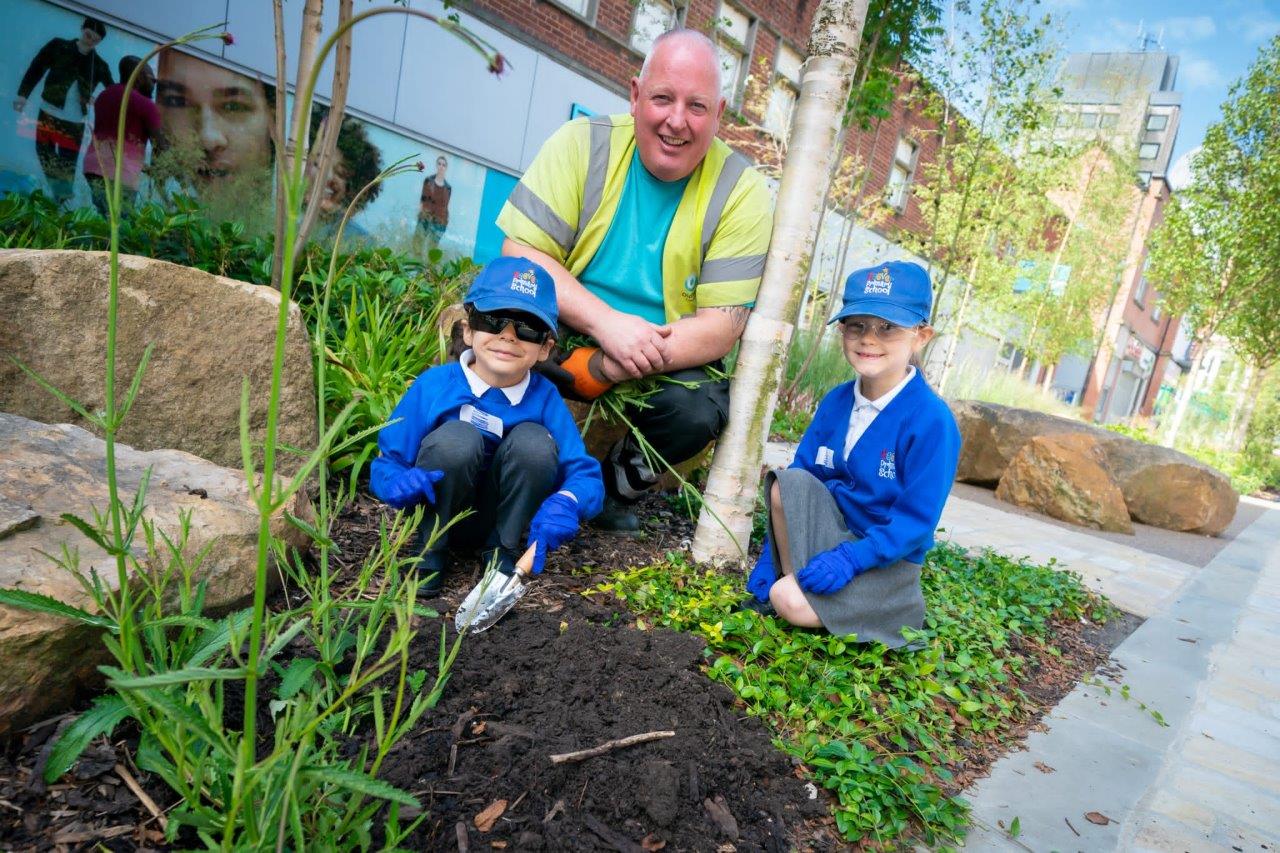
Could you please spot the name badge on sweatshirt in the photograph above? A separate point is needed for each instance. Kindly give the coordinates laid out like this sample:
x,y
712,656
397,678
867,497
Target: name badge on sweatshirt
x,y
481,420
826,457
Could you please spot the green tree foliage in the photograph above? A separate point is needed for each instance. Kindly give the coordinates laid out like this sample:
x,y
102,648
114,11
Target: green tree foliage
x,y
987,87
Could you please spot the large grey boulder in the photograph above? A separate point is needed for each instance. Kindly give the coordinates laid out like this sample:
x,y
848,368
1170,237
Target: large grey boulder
x,y
1161,486
46,471
209,332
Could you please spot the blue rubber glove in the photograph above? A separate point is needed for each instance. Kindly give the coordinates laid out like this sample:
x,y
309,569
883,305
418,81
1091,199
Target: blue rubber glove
x,y
763,575
828,572
555,523
412,486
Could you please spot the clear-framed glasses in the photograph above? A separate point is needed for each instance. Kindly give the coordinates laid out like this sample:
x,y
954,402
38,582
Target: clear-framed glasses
x,y
857,327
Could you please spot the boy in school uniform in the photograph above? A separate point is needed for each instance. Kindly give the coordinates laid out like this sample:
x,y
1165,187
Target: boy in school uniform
x,y
486,433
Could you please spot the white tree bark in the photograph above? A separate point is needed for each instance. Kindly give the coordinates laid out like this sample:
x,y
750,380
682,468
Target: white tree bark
x,y
724,525
1184,397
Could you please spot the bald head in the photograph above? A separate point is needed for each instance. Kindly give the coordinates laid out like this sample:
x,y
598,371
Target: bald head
x,y
685,40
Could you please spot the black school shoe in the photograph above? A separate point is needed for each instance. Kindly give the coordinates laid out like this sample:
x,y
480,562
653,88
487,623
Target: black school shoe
x,y
505,560
755,605
432,567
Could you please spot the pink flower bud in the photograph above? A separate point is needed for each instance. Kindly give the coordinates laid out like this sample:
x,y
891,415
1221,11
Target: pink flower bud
x,y
227,38
499,65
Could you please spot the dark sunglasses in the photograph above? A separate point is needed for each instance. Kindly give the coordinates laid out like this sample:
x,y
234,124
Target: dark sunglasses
x,y
493,324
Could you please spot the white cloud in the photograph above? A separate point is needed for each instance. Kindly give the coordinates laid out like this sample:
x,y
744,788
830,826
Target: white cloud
x,y
1185,28
1196,72
1258,28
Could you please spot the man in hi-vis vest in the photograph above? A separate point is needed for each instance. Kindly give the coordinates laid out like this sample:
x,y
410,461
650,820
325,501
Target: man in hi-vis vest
x,y
655,233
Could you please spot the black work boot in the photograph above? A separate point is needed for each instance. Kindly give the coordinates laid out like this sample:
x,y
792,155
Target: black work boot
x,y
627,476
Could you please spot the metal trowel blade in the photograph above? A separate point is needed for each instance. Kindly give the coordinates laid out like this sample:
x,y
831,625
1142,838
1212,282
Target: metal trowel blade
x,y
488,602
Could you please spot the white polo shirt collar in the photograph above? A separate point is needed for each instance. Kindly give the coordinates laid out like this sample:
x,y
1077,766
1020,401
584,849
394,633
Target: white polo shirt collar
x,y
514,393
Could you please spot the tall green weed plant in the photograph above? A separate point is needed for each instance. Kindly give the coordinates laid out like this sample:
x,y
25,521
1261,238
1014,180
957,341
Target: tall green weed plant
x,y
331,668
996,385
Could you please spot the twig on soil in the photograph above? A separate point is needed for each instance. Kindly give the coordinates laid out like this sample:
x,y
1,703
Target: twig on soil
x,y
460,829
150,804
610,746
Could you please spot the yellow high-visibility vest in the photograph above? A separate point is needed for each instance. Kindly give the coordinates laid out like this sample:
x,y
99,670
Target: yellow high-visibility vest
x,y
715,249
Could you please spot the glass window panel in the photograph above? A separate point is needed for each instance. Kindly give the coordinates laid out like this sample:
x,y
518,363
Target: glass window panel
x,y
579,6
653,18
730,68
777,115
896,190
1148,151
1157,121
905,152
1108,120
734,23
1088,119
789,64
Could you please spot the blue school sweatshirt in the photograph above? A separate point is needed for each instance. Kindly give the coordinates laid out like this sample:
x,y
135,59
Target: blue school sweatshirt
x,y
893,484
439,394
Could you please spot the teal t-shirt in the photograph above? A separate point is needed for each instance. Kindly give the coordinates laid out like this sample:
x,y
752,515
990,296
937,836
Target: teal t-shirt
x,y
626,271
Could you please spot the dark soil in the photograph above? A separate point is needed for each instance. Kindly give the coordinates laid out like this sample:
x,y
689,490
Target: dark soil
x,y
569,675
560,673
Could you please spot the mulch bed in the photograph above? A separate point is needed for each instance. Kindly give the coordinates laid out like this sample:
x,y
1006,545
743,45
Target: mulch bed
x,y
561,673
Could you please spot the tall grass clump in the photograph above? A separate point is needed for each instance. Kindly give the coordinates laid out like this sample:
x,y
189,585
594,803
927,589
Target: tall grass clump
x,y
329,675
996,385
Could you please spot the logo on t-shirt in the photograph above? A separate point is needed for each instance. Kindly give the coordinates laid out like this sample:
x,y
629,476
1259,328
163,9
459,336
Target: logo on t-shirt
x,y
887,469
525,282
879,282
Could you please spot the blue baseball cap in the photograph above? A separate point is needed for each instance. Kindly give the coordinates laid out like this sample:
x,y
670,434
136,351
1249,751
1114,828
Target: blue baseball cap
x,y
897,291
515,284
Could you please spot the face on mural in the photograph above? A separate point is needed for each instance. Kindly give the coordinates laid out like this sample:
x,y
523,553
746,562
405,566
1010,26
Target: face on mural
x,y
219,112
89,39
677,108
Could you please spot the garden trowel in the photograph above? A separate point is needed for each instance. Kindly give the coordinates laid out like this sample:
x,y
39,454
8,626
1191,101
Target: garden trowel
x,y
496,593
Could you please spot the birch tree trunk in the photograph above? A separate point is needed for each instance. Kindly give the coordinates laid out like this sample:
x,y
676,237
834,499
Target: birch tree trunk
x,y
1244,413
1184,398
724,525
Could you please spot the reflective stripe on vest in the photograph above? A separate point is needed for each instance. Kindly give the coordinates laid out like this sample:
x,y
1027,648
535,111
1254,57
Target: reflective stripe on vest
x,y
540,213
597,170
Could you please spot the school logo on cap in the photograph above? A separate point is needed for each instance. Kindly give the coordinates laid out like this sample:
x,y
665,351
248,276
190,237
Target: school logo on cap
x,y
888,469
879,282
525,282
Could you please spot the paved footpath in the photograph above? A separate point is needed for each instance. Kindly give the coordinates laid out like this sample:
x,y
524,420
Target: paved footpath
x,y
1205,659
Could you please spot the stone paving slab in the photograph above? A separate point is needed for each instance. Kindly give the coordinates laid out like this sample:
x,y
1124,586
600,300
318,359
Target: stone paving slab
x,y
1210,779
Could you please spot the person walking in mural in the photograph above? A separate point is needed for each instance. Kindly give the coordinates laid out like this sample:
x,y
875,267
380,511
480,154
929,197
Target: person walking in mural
x,y
433,213
655,232
216,124
71,70
141,125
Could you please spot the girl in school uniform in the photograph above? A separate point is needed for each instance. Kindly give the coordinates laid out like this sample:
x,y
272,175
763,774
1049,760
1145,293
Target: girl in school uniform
x,y
853,516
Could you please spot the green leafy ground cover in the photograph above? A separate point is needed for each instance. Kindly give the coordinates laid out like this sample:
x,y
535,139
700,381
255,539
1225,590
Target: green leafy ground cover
x,y
881,730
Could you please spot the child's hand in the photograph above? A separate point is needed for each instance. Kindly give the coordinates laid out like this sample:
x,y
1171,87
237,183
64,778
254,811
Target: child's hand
x,y
412,487
763,575
828,572
555,523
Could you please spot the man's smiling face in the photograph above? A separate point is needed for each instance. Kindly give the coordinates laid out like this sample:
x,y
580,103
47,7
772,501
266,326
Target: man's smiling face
x,y
677,108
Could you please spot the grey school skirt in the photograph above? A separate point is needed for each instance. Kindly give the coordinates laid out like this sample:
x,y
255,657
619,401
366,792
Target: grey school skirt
x,y
877,604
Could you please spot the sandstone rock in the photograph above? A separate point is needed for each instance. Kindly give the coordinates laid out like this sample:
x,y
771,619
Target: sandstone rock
x,y
993,434
1165,488
1063,477
209,332
51,470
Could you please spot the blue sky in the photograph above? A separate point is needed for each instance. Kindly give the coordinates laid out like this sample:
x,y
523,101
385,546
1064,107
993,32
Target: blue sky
x,y
1216,42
